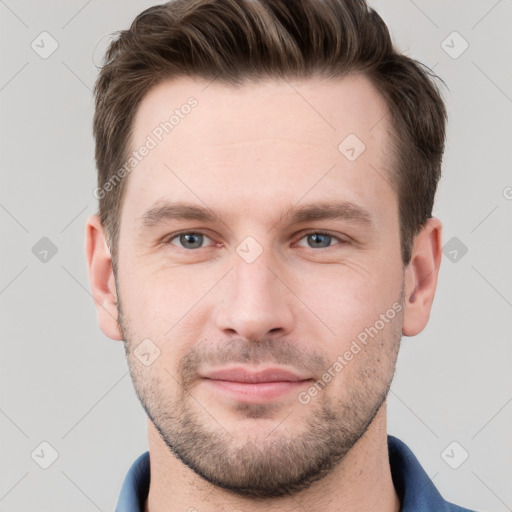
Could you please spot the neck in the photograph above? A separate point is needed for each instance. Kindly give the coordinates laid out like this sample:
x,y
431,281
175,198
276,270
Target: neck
x,y
361,481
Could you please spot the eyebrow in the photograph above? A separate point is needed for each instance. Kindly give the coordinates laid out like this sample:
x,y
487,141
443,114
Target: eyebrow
x,y
326,210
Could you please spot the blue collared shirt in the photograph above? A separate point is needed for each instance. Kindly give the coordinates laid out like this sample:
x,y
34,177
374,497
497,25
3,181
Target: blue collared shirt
x,y
415,490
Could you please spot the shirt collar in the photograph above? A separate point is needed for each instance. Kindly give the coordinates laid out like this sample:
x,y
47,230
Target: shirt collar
x,y
135,486
414,488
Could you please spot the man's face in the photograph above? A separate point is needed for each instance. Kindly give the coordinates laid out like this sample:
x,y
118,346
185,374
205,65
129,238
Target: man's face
x,y
256,293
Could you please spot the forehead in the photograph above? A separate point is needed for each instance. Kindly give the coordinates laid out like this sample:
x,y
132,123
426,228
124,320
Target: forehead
x,y
314,111
266,142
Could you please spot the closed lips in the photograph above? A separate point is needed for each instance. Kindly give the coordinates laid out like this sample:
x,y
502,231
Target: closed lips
x,y
250,377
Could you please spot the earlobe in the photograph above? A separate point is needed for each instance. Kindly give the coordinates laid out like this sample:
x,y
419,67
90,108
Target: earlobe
x,y
101,278
421,277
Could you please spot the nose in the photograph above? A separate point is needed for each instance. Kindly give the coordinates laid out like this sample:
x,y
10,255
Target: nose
x,y
254,301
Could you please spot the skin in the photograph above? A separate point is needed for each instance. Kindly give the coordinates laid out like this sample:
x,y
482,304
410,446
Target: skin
x,y
254,153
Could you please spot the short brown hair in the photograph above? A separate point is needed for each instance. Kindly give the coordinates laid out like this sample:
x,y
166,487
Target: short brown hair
x,y
235,41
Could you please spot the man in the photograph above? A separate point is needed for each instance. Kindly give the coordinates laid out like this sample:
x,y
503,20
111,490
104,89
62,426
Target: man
x,y
266,176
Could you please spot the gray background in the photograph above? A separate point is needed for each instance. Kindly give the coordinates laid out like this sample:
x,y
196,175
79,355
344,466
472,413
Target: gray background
x,y
63,382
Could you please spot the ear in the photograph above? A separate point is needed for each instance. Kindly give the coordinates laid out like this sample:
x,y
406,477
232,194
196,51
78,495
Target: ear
x,y
101,278
421,277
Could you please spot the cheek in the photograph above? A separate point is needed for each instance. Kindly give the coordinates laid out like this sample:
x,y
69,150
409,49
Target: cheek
x,y
348,297
159,293
167,306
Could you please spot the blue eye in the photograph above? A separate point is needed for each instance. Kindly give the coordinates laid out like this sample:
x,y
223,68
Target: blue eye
x,y
319,239
189,240
194,240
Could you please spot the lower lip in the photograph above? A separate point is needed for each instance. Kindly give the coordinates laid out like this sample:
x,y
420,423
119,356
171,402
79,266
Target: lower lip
x,y
255,391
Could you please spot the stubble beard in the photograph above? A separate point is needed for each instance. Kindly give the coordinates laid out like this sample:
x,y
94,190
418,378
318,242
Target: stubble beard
x,y
275,464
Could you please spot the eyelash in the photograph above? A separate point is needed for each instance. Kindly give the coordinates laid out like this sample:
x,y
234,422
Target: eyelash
x,y
168,240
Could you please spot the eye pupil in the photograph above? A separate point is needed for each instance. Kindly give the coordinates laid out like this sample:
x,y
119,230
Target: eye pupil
x,y
318,238
185,239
